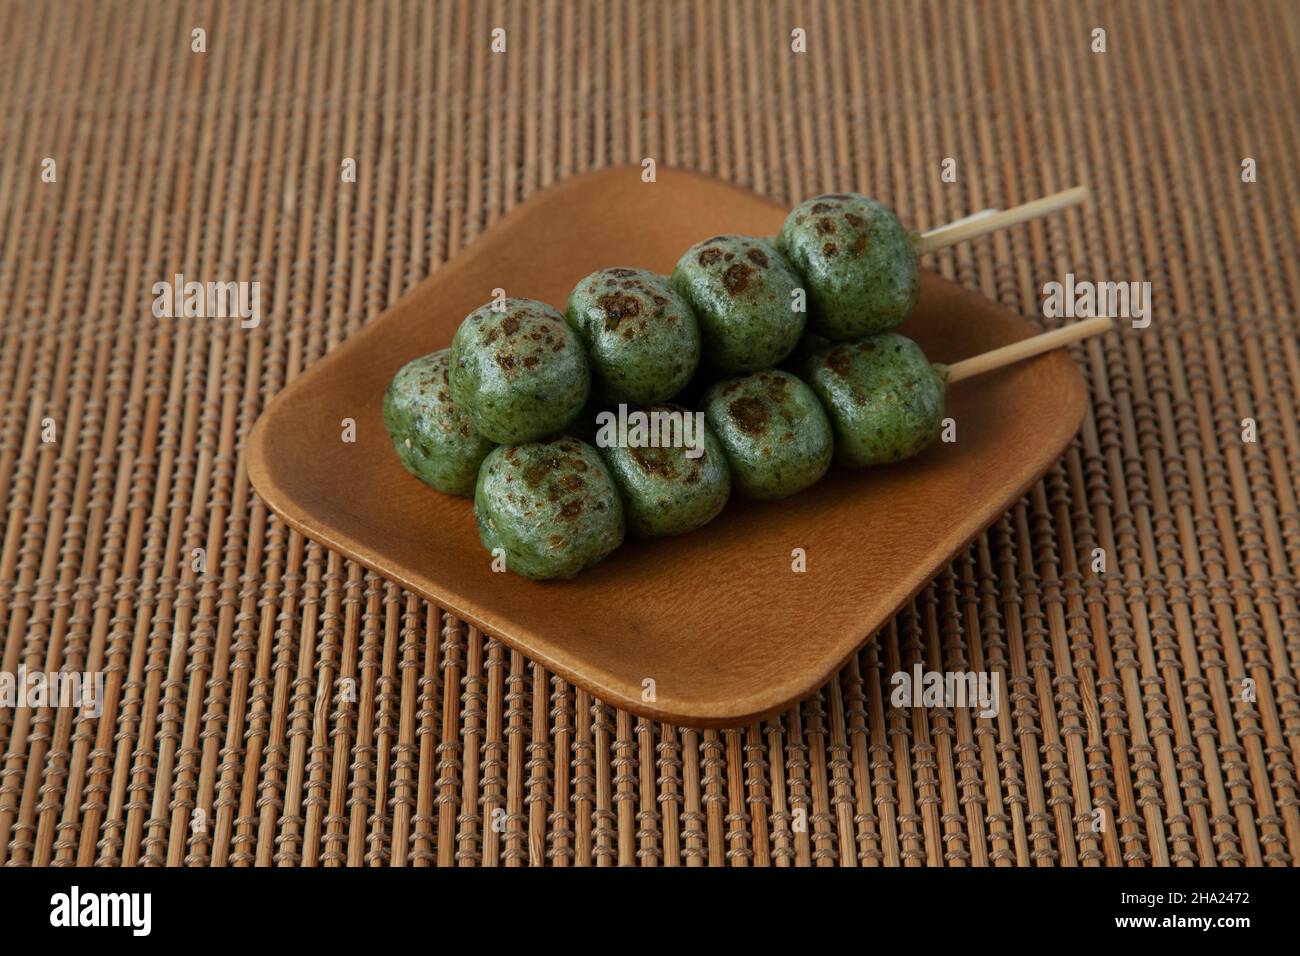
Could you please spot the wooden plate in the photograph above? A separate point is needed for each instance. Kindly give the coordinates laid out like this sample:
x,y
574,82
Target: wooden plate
x,y
718,619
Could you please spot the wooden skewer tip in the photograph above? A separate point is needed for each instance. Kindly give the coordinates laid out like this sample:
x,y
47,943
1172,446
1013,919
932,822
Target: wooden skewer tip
x,y
980,224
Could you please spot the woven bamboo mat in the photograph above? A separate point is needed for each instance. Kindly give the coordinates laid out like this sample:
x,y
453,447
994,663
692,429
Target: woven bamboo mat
x,y
227,736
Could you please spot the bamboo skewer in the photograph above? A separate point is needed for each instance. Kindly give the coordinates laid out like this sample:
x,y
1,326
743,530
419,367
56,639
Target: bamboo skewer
x,y
1026,348
964,219
988,221
931,235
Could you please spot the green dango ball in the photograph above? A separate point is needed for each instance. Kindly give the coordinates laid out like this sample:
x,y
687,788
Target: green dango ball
x,y
518,371
748,300
675,487
434,438
774,431
858,262
552,507
884,398
641,335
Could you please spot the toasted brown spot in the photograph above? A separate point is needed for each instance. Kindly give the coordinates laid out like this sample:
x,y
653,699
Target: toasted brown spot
x,y
572,482
708,256
859,245
777,387
490,337
825,226
571,509
821,207
693,475
510,325
749,414
829,249
617,307
654,461
838,362
506,361
538,470
758,257
530,361
736,278
555,540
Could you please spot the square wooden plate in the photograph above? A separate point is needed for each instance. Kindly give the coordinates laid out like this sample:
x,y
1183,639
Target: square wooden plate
x,y
718,619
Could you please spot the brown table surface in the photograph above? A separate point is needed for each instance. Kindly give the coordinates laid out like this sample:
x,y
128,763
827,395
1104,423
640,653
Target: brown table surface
x,y
1151,712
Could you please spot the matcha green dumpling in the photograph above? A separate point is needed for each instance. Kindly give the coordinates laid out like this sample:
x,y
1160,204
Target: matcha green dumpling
x,y
641,336
432,435
743,293
774,431
676,487
883,396
520,373
551,506
858,262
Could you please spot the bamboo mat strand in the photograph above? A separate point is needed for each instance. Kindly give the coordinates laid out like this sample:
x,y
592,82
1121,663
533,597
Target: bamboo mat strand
x,y
277,705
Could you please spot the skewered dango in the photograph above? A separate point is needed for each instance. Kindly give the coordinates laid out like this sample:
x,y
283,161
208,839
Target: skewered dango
x,y
860,264
551,508
883,397
744,294
434,438
774,430
641,335
670,487
520,373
